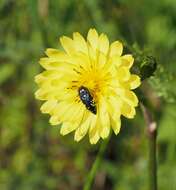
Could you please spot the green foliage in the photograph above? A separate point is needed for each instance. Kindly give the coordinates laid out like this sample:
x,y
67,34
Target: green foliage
x,y
32,153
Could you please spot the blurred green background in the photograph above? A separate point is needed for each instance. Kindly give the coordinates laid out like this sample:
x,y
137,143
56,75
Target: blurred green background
x,y
33,155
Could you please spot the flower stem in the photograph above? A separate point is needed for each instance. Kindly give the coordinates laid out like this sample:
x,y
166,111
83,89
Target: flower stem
x,y
96,164
152,137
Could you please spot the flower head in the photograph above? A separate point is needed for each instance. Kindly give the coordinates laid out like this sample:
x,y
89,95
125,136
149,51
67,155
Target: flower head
x,y
87,87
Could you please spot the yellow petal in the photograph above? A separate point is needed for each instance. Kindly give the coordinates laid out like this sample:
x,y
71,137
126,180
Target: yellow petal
x,y
102,59
114,106
103,44
116,60
104,119
68,127
93,131
128,110
116,48
92,53
131,98
49,74
61,108
45,62
54,120
39,79
127,60
116,124
134,81
114,112
81,61
74,114
54,53
43,94
58,83
92,38
94,137
67,44
123,73
50,90
65,112
48,106
82,130
51,52
65,95
55,64
80,43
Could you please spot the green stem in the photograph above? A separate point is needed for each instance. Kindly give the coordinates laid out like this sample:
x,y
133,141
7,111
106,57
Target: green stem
x,y
152,137
152,161
96,164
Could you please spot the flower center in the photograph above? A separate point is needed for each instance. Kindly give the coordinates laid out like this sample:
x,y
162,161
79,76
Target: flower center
x,y
95,81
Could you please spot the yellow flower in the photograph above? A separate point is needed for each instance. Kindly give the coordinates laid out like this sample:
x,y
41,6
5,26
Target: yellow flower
x,y
88,86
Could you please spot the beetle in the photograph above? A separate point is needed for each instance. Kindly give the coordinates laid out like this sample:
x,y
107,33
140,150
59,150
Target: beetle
x,y
87,99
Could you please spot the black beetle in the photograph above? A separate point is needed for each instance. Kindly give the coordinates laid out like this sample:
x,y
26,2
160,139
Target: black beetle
x,y
87,99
